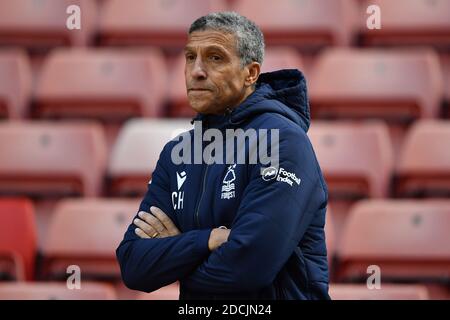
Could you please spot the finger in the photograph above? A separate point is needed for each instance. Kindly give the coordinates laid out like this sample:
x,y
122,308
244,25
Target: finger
x,y
148,229
141,234
154,222
165,220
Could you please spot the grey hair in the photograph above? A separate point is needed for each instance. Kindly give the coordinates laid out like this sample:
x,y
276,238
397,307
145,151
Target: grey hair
x,y
250,39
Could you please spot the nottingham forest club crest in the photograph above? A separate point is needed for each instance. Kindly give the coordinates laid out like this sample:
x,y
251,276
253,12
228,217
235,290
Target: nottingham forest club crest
x,y
228,183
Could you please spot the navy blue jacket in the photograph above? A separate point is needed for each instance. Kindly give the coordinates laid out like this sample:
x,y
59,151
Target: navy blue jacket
x,y
276,248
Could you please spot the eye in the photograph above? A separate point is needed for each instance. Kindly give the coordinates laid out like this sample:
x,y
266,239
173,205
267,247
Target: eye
x,y
190,57
215,57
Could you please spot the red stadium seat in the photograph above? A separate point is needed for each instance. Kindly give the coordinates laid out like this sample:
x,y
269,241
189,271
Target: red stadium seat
x,y
330,237
177,95
274,59
309,25
387,292
42,24
149,22
56,291
365,83
104,84
407,239
281,58
15,84
445,63
170,292
86,232
409,22
48,159
136,152
355,158
424,165
17,238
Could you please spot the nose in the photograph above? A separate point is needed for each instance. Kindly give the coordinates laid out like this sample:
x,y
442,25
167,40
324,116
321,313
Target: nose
x,y
198,70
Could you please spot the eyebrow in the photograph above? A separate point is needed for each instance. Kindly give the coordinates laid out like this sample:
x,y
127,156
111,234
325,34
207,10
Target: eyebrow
x,y
210,47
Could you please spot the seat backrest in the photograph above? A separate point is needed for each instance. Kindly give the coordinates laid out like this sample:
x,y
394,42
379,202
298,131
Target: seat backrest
x,y
46,159
405,238
445,63
56,291
177,94
86,232
387,292
302,23
330,236
15,84
18,234
43,23
409,22
355,158
424,162
137,149
281,58
84,78
161,23
396,83
426,149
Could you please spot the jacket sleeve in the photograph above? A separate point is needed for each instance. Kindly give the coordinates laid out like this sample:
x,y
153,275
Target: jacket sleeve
x,y
149,264
270,222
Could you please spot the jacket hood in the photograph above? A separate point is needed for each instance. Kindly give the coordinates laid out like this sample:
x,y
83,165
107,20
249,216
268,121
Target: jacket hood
x,y
283,92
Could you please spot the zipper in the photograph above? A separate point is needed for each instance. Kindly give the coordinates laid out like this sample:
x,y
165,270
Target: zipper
x,y
201,196
204,180
203,191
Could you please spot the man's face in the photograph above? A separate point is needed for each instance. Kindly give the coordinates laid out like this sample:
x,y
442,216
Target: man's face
x,y
214,77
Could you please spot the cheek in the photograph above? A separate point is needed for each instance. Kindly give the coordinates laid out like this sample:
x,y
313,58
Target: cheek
x,y
226,85
187,74
232,87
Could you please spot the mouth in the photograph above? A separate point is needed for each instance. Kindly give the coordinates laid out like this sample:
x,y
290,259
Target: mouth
x,y
198,89
198,92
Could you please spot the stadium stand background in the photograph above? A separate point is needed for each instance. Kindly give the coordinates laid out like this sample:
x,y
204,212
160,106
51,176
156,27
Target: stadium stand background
x,y
85,113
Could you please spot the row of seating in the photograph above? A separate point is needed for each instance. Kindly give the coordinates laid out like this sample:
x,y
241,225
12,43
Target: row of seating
x,y
113,84
102,291
94,290
48,159
307,24
407,239
393,235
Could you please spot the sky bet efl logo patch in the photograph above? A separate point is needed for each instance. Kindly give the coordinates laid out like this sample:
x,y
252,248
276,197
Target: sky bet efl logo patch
x,y
281,175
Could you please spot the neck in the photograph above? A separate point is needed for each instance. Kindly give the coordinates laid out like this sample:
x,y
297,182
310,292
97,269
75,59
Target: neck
x,y
248,91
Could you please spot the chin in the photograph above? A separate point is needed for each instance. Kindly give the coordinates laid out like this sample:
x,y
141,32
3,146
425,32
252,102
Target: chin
x,y
200,108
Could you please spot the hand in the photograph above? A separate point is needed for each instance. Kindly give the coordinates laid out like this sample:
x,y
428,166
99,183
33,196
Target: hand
x,y
217,237
154,225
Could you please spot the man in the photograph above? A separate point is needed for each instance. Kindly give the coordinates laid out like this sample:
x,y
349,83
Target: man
x,y
225,230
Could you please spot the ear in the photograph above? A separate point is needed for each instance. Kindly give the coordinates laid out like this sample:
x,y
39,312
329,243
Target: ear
x,y
253,71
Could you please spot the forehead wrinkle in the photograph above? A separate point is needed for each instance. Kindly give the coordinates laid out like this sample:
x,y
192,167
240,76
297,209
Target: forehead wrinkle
x,y
212,38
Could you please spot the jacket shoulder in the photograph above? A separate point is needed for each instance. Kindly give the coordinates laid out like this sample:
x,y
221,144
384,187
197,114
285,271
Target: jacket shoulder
x,y
288,129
